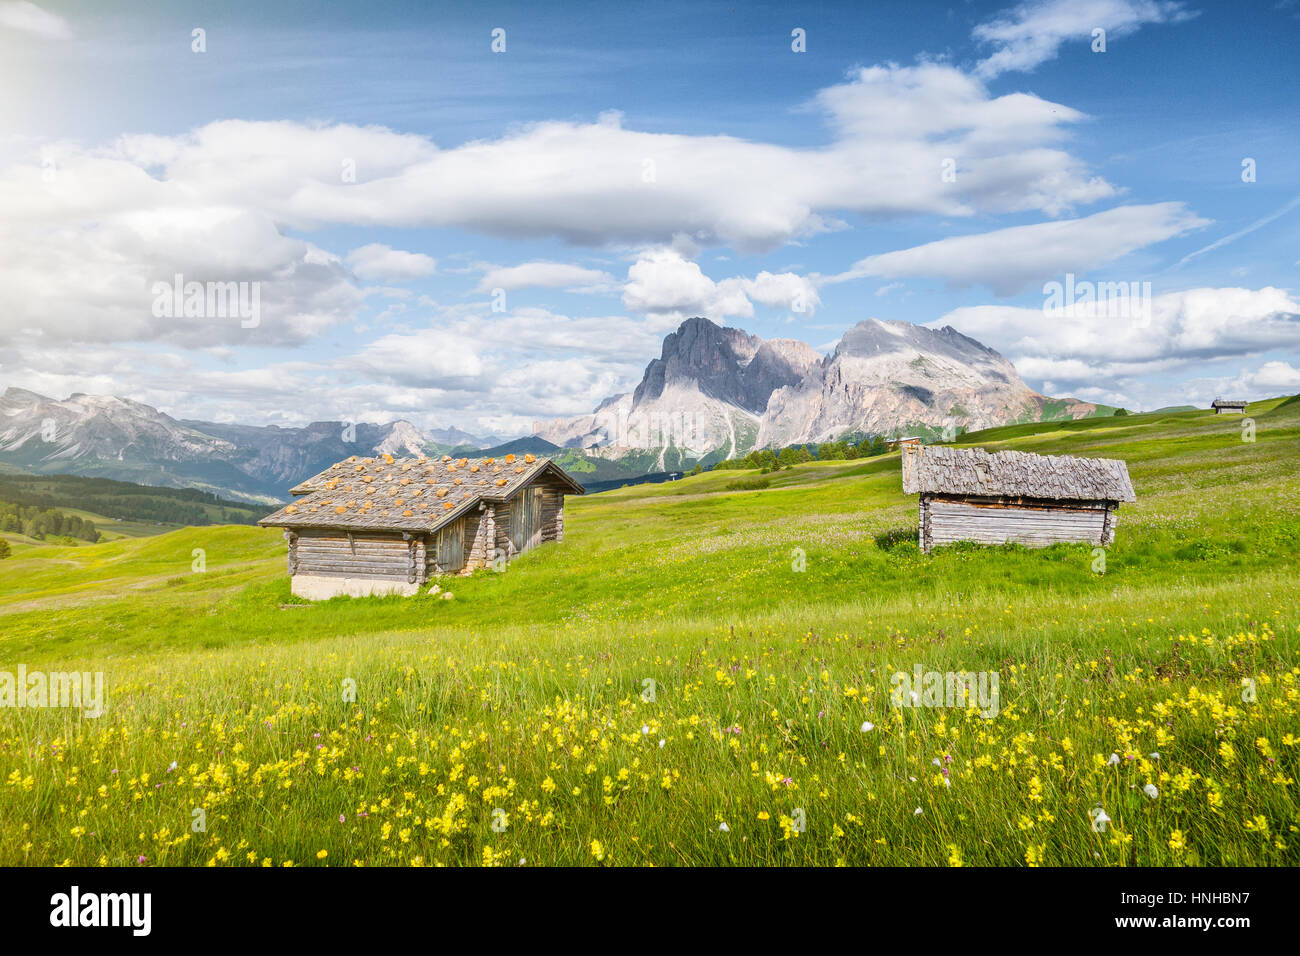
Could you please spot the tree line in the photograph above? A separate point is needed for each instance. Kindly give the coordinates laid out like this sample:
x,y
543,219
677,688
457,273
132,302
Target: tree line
x,y
44,523
125,501
768,460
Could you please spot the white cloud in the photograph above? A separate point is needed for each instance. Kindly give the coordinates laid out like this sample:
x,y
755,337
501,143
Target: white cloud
x,y
1092,348
546,275
74,277
1250,382
1011,260
86,238
1276,375
1033,32
599,183
468,367
782,290
481,371
662,280
377,261
29,18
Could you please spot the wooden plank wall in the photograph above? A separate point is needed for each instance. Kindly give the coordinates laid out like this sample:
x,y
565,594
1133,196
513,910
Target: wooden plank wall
x,y
946,521
369,555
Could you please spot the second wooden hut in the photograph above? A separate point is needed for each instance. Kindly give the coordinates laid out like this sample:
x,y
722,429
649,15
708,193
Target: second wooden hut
x,y
970,494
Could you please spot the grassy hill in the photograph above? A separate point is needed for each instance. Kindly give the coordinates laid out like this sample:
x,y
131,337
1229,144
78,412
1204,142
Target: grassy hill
x,y
696,654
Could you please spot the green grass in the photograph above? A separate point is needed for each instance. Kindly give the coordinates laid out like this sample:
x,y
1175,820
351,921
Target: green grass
x,y
768,611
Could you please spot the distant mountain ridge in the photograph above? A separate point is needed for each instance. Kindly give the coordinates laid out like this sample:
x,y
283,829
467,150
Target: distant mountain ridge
x,y
110,437
102,436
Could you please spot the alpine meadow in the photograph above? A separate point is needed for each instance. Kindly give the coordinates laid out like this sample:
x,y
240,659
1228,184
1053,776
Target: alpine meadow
x,y
702,673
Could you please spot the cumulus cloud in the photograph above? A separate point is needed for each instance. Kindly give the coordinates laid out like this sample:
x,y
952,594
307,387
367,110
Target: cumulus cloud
x,y
73,279
1033,32
465,366
600,182
1011,260
662,280
492,371
1098,347
377,261
1250,382
90,230
30,19
1276,375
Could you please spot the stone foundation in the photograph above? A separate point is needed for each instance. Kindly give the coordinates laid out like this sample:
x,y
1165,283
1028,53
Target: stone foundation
x,y
321,587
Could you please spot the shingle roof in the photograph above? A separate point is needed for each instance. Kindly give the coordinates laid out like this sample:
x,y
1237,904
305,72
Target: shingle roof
x,y
407,494
1014,474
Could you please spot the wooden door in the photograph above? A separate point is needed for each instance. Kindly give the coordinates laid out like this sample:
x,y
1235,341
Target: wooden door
x,y
526,519
450,554
535,518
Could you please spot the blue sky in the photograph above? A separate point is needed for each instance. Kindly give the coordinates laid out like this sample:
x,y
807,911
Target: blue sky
x,y
620,167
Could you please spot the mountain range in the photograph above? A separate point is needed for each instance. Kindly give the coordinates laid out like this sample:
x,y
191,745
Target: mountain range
x,y
713,393
718,392
109,437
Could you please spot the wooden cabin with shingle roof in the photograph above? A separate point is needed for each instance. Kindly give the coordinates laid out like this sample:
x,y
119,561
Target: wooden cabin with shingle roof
x,y
387,525
1229,406
969,494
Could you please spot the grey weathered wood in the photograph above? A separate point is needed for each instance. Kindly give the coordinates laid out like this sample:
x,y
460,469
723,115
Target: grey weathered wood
x,y
959,521
413,518
970,495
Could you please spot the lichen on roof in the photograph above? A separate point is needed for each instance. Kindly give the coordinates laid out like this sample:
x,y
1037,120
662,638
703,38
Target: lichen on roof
x,y
384,493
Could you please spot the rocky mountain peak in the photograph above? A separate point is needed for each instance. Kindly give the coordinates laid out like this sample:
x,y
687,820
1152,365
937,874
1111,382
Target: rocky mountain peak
x,y
879,336
723,363
403,439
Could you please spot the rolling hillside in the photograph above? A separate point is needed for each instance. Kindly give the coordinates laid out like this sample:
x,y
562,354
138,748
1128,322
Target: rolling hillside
x,y
695,655
118,509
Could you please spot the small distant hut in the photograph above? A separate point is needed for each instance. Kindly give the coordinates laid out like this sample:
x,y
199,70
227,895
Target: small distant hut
x,y
386,525
1229,406
904,442
969,494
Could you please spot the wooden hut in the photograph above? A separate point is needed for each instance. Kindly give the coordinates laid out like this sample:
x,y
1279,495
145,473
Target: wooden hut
x,y
969,494
1229,406
386,525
